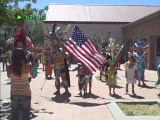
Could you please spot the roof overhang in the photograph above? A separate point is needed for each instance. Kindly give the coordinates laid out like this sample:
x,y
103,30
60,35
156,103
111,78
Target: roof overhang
x,y
82,22
147,18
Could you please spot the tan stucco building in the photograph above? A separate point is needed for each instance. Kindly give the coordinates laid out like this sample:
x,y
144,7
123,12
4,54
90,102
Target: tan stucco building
x,y
124,22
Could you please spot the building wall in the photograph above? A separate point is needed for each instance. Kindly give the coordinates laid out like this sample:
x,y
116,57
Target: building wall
x,y
93,31
150,30
143,30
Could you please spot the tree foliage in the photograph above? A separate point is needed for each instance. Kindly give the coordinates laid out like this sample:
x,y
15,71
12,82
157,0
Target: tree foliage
x,y
9,24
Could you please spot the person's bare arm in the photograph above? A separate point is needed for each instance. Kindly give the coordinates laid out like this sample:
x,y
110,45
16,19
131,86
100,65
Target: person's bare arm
x,y
30,70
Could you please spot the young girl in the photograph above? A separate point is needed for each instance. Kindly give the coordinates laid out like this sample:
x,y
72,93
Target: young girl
x,y
130,73
19,71
112,72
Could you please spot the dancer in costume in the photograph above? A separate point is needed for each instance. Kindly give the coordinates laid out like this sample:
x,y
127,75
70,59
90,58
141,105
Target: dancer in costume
x,y
141,65
58,60
83,79
48,68
103,67
112,80
43,61
141,61
130,73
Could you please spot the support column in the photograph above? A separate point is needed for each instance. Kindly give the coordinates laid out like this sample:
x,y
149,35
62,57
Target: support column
x,y
152,50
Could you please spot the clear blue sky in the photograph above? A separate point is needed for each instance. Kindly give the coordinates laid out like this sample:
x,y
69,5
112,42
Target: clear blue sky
x,y
42,3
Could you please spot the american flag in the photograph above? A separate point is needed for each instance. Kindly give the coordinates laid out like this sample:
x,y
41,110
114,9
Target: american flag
x,y
84,50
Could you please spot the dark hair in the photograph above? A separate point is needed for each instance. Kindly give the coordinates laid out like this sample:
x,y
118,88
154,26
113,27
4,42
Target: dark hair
x,y
22,40
132,57
18,58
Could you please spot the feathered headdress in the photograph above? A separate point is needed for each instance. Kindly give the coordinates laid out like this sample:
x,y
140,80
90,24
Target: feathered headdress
x,y
140,44
20,37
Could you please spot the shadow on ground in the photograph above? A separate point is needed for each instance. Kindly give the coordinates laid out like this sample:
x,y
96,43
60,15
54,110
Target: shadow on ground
x,y
90,95
136,96
86,104
146,86
62,98
116,96
5,113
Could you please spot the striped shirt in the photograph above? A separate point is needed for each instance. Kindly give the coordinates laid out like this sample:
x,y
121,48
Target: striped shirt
x,y
20,85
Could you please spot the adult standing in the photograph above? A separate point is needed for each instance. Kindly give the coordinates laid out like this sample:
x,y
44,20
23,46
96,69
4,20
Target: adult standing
x,y
19,71
58,60
141,65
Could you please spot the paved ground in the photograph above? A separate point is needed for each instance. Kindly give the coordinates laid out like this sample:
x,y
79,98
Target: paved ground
x,y
46,106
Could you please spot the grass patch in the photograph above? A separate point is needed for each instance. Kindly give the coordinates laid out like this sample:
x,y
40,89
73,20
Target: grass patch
x,y
140,109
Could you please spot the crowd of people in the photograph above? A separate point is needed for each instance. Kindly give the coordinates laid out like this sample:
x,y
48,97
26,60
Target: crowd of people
x,y
24,63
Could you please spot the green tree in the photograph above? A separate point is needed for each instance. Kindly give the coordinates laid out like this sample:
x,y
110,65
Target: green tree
x,y
9,25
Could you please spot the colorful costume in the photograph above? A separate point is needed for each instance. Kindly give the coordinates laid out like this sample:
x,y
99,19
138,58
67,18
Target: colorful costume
x,y
140,58
112,71
83,79
58,59
48,68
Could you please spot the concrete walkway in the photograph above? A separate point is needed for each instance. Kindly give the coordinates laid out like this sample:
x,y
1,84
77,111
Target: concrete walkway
x,y
46,106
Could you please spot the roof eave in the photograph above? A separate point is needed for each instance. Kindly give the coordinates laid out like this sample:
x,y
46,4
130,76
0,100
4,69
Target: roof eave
x,y
84,22
146,18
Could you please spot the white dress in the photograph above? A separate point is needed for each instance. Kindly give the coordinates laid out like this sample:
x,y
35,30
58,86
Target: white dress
x,y
131,73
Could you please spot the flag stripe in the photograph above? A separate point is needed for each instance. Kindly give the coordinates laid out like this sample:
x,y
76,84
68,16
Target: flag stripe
x,y
72,51
80,47
96,54
78,59
80,54
94,49
72,46
85,54
97,60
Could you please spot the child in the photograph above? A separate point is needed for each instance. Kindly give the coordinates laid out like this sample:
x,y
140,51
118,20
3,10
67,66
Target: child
x,y
36,65
130,73
83,79
112,72
48,68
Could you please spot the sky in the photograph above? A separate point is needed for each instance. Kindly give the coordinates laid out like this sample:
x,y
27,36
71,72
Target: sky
x,y
42,3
